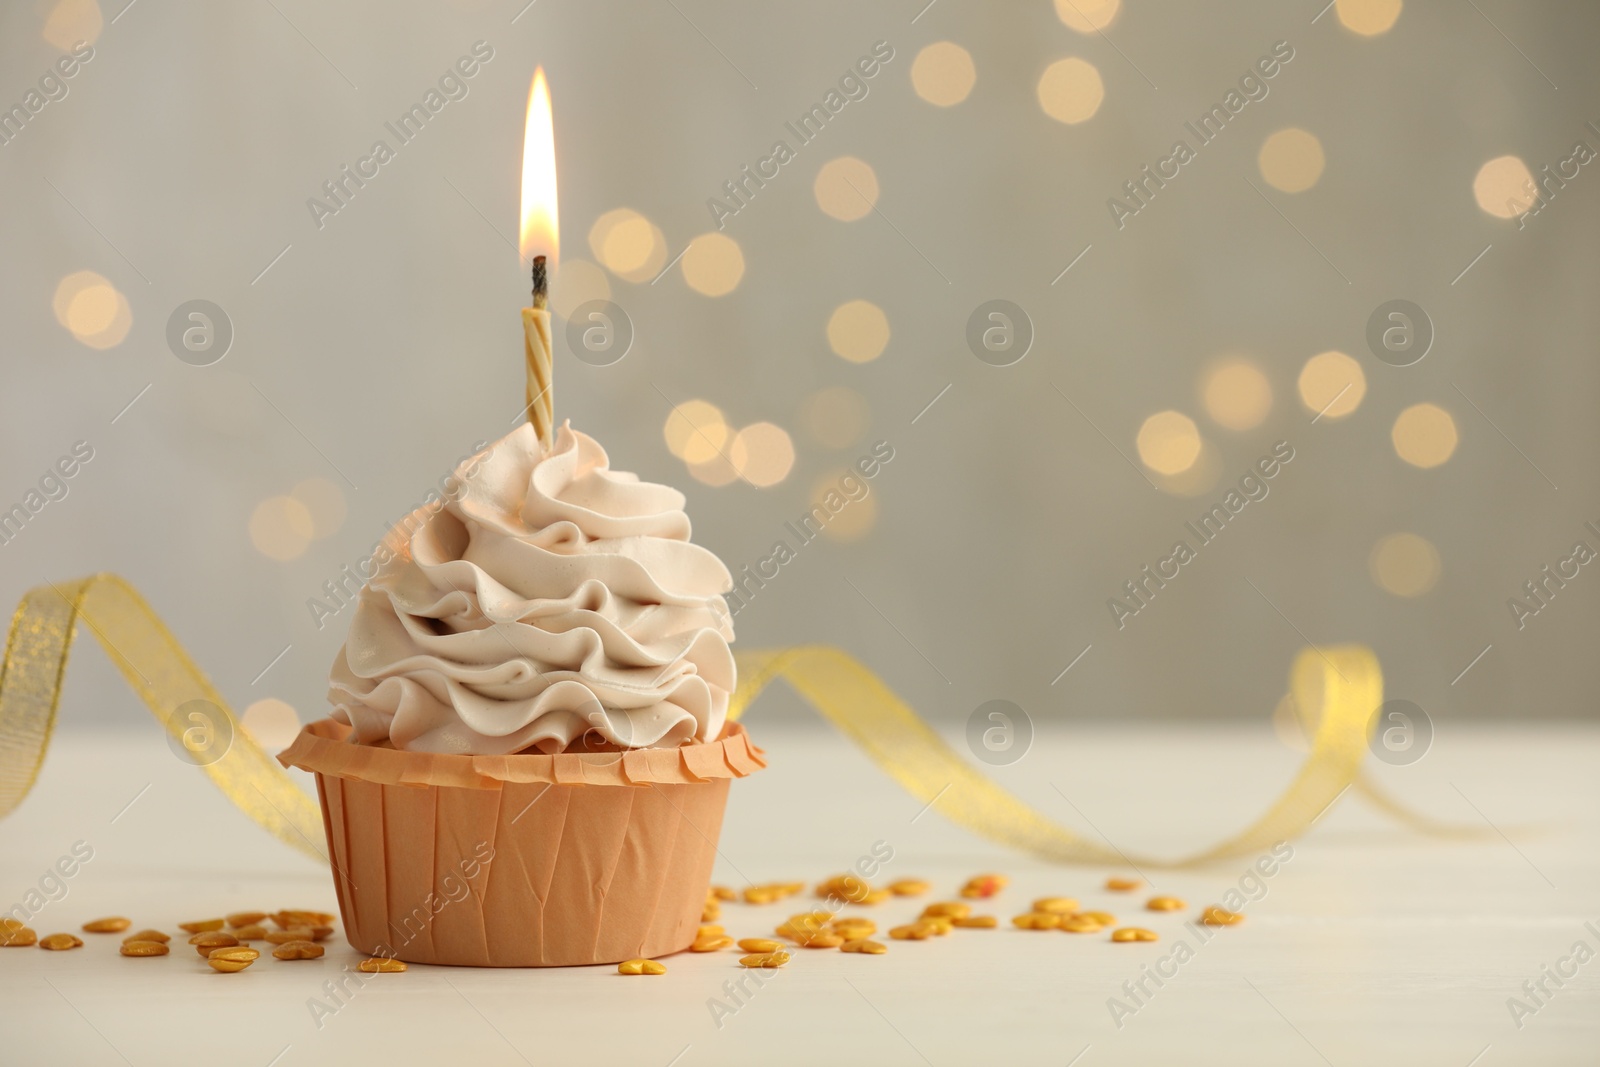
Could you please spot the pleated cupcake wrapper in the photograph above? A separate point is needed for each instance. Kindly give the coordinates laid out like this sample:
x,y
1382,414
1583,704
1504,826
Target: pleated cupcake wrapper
x,y
525,860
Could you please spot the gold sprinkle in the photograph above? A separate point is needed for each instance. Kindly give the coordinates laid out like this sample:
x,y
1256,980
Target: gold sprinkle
x,y
641,967
144,948
1059,905
765,959
21,937
810,937
846,887
853,929
231,960
823,940
381,965
870,948
1215,916
206,943
60,942
298,950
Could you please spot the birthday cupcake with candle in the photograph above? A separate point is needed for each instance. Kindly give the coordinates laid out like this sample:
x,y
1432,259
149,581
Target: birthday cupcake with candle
x,y
529,755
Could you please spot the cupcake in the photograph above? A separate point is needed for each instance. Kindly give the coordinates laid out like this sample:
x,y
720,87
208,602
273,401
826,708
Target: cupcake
x,y
528,756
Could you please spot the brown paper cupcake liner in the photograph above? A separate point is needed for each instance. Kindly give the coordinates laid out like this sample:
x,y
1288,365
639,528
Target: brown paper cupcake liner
x,y
523,860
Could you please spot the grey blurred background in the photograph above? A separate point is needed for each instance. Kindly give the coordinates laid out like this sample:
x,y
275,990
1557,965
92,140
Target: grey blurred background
x,y
371,352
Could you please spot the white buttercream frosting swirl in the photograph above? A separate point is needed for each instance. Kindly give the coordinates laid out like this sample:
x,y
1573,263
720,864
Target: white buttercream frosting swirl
x,y
550,600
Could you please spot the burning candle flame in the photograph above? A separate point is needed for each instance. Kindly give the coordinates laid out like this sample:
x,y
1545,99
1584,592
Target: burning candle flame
x,y
541,234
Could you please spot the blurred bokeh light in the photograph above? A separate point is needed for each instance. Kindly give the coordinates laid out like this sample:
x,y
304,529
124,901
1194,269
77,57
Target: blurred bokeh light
x,y
1070,90
943,73
1405,564
1168,442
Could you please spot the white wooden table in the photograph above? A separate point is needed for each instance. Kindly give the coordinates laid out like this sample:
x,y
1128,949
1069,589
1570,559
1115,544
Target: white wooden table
x,y
1370,946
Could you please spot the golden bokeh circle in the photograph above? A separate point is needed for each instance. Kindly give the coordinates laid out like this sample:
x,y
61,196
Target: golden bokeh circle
x,y
858,331
836,417
1087,16
281,528
1404,564
943,74
713,264
1504,187
707,443
628,244
93,310
1070,90
1168,442
1332,385
1236,394
72,22
846,188
1291,160
1368,17
622,239
1424,435
68,288
694,420
1198,478
116,332
762,453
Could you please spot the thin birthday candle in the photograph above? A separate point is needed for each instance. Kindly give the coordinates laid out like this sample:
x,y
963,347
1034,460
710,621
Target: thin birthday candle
x,y
540,241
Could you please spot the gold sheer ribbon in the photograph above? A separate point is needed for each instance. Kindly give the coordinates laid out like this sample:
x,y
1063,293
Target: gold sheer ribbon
x,y
1335,691
156,667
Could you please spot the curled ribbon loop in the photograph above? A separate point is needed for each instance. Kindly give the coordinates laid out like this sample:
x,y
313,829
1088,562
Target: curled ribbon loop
x,y
1335,691
156,667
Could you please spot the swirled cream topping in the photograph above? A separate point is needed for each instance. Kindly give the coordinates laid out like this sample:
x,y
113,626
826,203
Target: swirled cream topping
x,y
548,600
